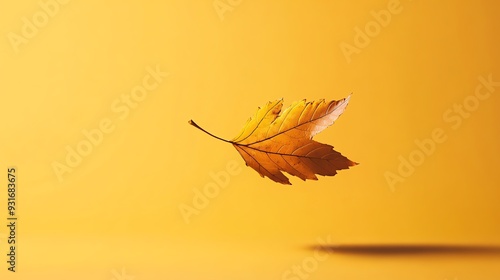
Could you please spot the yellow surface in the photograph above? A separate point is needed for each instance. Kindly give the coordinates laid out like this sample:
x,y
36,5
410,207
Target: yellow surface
x,y
116,212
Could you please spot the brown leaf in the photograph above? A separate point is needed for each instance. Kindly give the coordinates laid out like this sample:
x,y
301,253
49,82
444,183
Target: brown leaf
x,y
273,141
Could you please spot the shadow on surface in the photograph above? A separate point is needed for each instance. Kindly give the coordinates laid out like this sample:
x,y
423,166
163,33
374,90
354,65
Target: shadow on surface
x,y
400,249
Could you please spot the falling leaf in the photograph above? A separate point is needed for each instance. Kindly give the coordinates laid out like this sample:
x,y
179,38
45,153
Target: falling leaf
x,y
273,141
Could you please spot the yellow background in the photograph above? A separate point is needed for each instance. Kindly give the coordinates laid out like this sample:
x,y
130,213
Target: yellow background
x,y
119,208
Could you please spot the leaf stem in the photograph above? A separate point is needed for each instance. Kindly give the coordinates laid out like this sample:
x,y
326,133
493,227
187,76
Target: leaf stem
x,y
191,122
